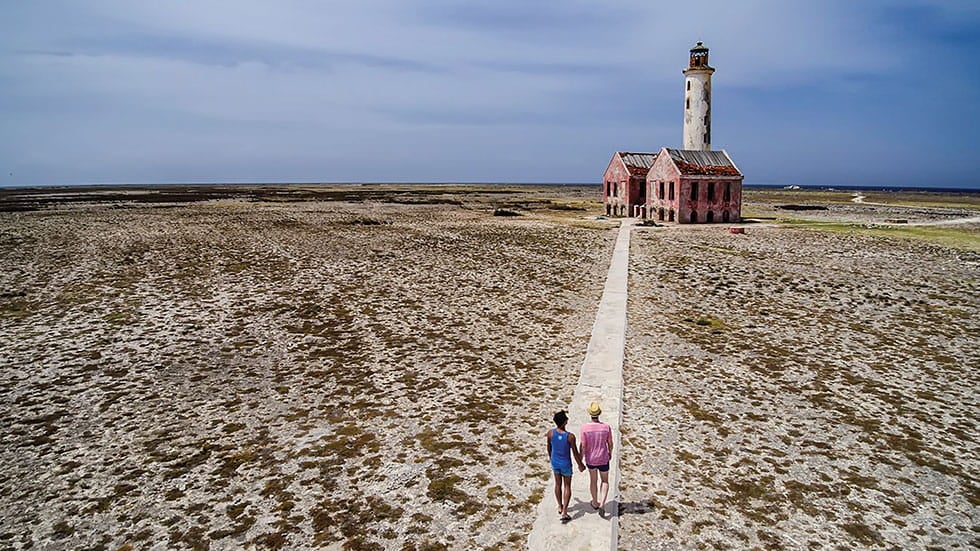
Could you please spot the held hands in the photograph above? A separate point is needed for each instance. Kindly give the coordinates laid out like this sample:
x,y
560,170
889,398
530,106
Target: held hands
x,y
581,466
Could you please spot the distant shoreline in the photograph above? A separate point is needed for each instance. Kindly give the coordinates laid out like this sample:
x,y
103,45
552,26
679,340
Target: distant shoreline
x,y
863,188
789,187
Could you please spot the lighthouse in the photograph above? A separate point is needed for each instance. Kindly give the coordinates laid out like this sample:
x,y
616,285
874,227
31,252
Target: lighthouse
x,y
693,185
697,100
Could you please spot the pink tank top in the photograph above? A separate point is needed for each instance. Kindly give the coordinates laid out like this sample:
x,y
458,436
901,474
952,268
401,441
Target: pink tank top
x,y
595,443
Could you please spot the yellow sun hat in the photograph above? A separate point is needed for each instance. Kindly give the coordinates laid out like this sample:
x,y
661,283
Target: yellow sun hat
x,y
594,409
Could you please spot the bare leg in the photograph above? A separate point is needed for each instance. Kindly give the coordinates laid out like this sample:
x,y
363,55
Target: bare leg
x,y
605,487
593,487
568,495
558,478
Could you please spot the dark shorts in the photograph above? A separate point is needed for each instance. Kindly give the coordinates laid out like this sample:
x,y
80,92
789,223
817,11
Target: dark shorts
x,y
602,468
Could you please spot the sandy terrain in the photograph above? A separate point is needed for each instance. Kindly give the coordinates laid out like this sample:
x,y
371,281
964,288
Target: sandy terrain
x,y
285,375
366,368
801,389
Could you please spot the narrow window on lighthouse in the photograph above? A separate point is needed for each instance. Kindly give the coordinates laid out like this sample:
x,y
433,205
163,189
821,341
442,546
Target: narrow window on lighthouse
x,y
689,85
687,103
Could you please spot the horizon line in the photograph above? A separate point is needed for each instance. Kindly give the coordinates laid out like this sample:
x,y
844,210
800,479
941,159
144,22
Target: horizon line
x,y
767,185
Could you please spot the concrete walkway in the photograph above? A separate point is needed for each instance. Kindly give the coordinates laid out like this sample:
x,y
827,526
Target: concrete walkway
x,y
601,380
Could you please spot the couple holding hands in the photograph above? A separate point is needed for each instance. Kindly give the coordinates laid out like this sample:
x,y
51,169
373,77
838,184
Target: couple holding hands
x,y
595,449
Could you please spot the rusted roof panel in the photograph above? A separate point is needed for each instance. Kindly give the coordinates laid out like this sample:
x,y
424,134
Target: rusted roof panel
x,y
712,163
637,163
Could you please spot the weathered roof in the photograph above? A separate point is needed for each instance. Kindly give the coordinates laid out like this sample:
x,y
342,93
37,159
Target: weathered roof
x,y
713,163
637,163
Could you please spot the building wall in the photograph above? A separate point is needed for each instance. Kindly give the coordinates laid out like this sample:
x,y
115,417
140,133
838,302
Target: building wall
x,y
663,171
615,184
716,204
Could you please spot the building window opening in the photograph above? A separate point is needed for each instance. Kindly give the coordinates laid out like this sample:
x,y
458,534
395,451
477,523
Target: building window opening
x,y
694,216
660,214
670,215
671,197
661,196
711,191
694,191
724,216
710,216
728,192
688,84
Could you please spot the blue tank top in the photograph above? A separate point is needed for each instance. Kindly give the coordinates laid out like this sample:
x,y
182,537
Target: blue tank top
x,y
560,451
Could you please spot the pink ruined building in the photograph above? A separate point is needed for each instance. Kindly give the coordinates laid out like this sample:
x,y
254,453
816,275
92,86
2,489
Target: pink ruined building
x,y
687,186
624,187
690,187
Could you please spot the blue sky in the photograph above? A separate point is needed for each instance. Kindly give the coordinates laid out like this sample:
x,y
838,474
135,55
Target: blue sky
x,y
814,93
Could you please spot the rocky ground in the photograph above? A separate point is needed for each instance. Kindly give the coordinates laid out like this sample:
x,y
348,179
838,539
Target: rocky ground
x,y
796,388
291,375
361,367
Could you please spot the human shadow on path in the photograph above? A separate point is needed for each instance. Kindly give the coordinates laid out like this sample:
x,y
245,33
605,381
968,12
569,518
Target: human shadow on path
x,y
582,508
579,509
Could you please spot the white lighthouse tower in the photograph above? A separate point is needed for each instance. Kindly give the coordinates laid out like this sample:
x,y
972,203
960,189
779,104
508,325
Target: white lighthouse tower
x,y
697,100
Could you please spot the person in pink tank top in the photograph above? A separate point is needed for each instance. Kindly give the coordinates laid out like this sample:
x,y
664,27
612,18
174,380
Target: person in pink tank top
x,y
595,446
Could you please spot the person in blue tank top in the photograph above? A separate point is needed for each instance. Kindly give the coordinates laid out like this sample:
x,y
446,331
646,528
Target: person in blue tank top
x,y
561,447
